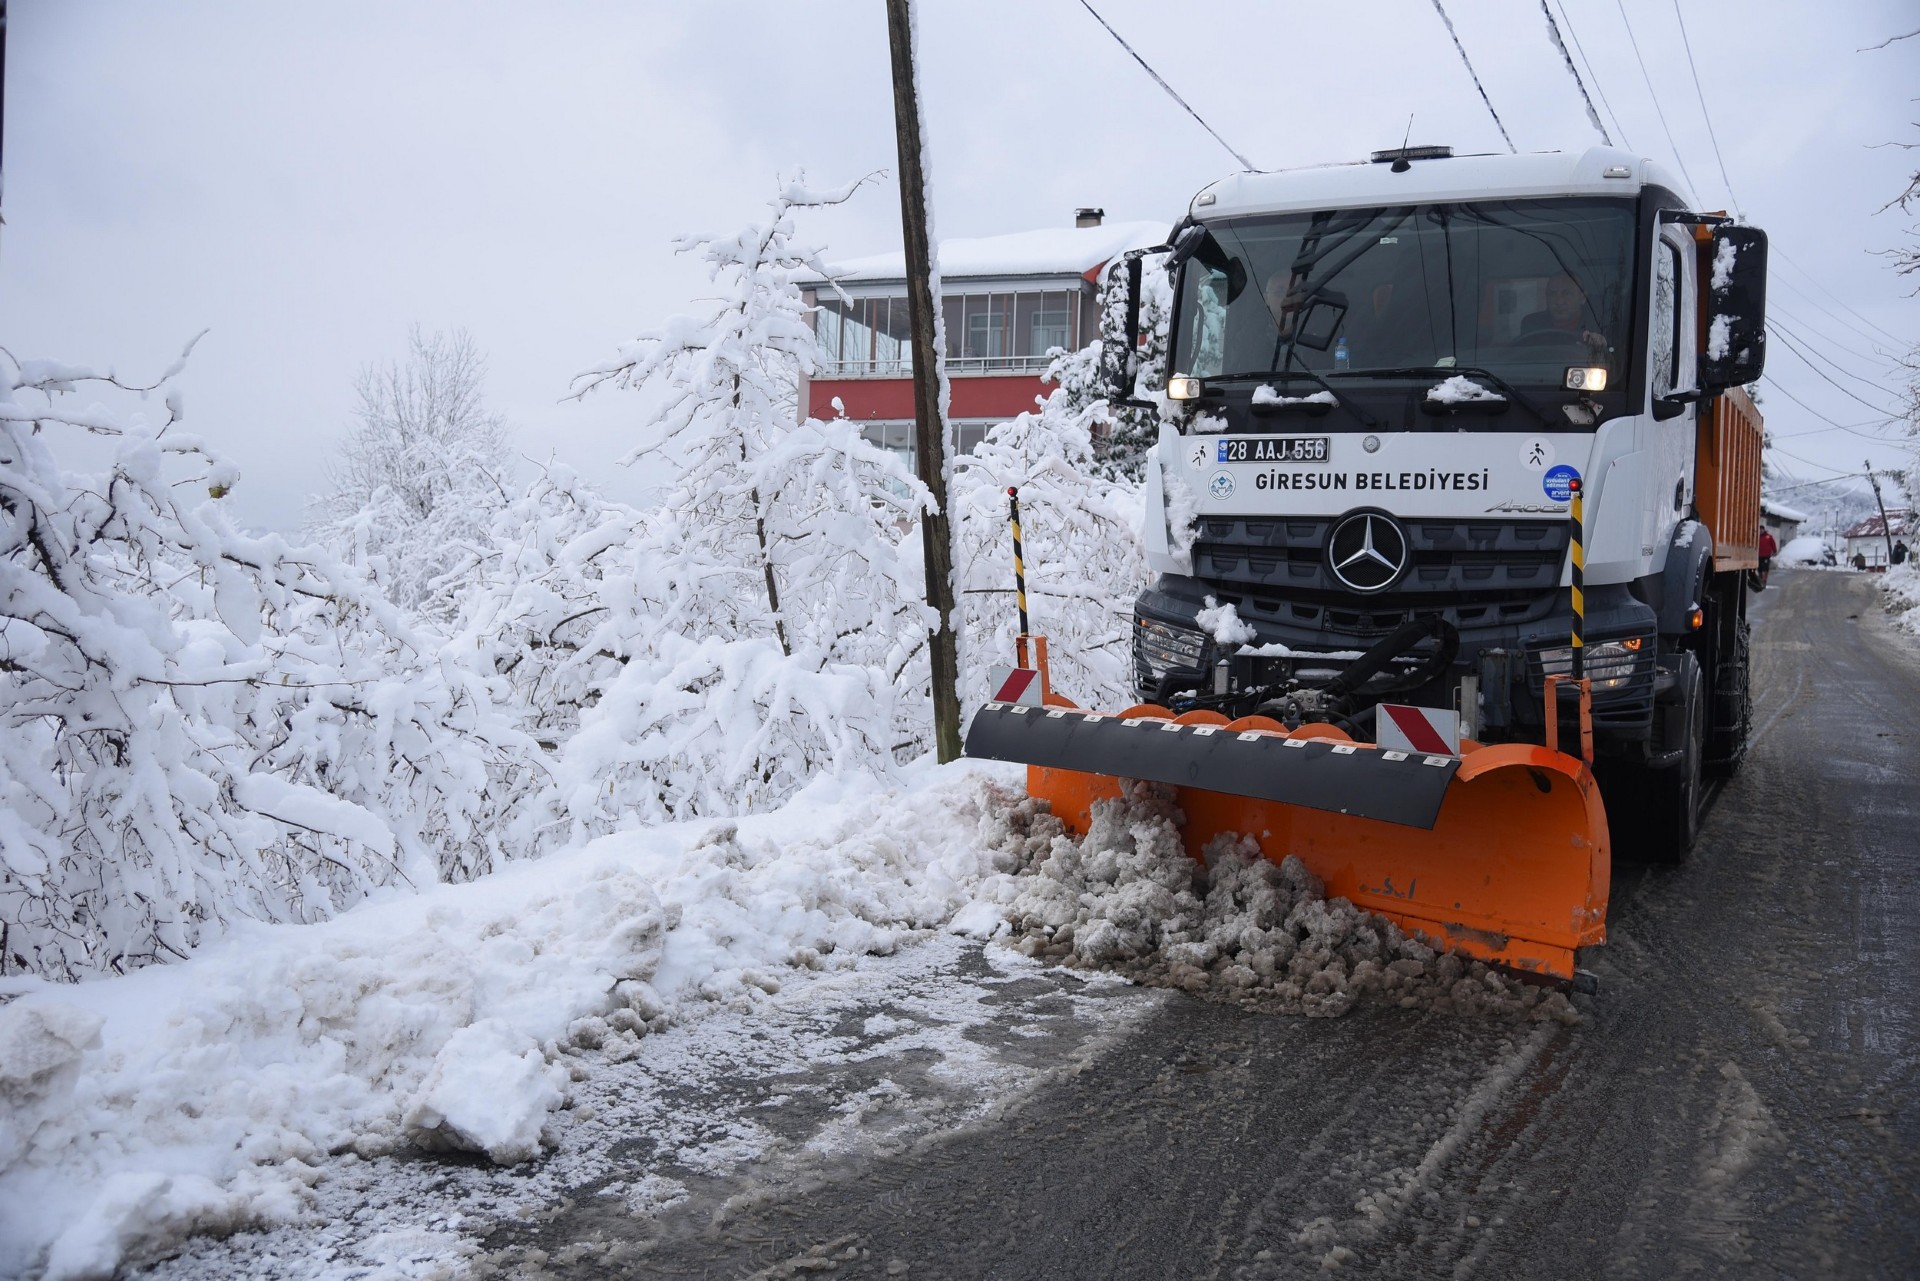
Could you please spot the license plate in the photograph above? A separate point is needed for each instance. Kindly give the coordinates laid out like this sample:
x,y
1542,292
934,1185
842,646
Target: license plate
x,y
1273,449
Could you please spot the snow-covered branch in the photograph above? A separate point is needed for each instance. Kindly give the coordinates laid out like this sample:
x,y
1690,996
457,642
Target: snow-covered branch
x,y
197,725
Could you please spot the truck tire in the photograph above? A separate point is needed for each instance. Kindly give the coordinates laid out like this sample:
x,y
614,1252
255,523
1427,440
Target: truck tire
x,y
1676,795
1732,699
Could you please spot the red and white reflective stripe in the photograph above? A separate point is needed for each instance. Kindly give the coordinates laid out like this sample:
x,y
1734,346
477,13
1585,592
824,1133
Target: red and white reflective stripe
x,y
1016,685
1431,730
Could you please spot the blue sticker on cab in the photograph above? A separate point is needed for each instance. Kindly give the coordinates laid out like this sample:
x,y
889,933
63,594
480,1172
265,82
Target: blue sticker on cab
x,y
1558,482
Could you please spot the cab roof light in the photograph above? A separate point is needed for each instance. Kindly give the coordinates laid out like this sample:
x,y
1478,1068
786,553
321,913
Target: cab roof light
x,y
1412,153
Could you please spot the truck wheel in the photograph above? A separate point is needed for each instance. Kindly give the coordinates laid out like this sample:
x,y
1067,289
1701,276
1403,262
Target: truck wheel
x,y
1676,794
1732,701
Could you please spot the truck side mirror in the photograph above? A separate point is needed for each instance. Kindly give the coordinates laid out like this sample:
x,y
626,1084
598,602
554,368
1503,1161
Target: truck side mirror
x,y
1123,366
1736,345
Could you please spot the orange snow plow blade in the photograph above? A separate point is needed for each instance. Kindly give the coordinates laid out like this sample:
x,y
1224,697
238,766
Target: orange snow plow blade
x,y
1501,853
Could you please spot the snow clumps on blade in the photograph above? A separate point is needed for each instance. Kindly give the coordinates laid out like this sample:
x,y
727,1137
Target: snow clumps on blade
x,y
1243,928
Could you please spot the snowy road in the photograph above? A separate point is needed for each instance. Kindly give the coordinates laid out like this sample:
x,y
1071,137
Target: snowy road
x,y
1741,1100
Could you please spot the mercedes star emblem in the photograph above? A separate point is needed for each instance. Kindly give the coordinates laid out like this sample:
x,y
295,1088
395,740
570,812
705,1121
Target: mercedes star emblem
x,y
1367,551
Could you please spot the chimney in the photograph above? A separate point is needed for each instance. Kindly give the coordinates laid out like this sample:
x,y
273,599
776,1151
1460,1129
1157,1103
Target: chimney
x,y
1088,217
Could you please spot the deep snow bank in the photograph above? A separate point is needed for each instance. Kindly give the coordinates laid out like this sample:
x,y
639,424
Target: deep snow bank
x,y
1902,586
1243,928
200,1096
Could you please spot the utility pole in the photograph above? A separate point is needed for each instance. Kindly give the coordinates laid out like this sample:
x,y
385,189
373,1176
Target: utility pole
x,y
929,425
1886,526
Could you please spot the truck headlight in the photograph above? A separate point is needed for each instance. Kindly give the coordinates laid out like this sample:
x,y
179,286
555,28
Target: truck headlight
x,y
1586,379
1164,647
1609,664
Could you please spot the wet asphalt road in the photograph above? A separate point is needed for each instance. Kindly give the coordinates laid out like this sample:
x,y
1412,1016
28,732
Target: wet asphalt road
x,y
1740,1101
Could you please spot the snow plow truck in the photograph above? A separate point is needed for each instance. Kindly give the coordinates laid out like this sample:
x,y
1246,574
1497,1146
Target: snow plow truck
x,y
1451,514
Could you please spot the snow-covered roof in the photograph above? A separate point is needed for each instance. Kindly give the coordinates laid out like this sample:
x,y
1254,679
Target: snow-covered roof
x,y
1872,527
1781,511
1365,184
1052,251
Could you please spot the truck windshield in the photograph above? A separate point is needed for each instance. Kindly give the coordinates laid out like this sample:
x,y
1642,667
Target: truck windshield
x,y
1520,289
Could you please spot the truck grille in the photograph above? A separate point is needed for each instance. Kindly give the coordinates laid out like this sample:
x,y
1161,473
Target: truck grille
x,y
1473,573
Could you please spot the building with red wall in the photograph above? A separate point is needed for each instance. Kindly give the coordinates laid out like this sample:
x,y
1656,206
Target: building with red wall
x,y
1006,301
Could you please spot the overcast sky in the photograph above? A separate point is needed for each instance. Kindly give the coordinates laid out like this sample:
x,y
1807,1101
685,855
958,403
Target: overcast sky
x,y
306,181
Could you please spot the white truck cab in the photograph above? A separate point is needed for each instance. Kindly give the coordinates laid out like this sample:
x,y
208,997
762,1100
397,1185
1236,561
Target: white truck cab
x,y
1387,381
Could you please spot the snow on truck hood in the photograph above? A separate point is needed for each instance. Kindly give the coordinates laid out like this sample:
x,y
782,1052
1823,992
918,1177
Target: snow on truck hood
x,y
1365,184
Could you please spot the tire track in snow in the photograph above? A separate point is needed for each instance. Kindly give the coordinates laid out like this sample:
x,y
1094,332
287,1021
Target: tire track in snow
x,y
1378,1214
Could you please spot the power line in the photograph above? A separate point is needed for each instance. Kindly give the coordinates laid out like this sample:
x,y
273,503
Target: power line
x,y
1815,281
1830,362
1888,364
1566,20
1702,95
1824,310
1657,110
1471,72
1822,431
1788,343
1852,429
1808,462
1244,162
1801,484
1721,160
1553,29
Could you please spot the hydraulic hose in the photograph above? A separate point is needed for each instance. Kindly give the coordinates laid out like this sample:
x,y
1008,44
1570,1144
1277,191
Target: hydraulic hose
x,y
1393,645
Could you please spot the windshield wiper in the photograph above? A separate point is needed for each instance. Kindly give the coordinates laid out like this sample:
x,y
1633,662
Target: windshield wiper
x,y
1418,371
1281,375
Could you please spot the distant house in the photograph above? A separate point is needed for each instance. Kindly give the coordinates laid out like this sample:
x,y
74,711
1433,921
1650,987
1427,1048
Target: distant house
x,y
1781,520
1868,539
1006,302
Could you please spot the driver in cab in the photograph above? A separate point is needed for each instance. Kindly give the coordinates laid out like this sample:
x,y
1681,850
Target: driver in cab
x,y
1565,314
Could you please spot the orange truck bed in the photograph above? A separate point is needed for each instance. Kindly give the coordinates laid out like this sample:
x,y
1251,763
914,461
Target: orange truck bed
x,y
1726,486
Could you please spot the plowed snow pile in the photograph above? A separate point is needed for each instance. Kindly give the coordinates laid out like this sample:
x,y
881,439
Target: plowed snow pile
x,y
1127,898
1902,586
210,1094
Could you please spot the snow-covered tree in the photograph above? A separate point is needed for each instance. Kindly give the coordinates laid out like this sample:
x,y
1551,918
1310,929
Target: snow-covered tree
x,y
561,579
197,725
1906,261
1083,556
766,622
418,481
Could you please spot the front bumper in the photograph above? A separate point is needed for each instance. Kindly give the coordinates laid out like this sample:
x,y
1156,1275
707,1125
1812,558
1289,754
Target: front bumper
x,y
1511,658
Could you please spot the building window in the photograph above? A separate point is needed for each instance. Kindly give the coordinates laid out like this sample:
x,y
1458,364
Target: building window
x,y
990,332
1045,321
864,336
1013,332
